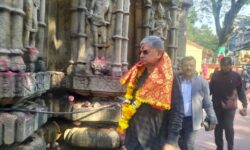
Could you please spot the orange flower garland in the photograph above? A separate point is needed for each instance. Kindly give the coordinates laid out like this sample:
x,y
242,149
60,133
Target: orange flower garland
x,y
155,91
129,109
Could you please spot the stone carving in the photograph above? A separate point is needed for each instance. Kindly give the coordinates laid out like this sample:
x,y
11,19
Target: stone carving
x,y
25,84
158,25
125,28
97,85
7,84
100,15
42,81
18,29
31,22
11,30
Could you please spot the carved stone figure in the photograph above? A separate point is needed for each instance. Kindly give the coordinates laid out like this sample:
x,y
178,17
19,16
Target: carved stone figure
x,y
31,22
159,25
100,15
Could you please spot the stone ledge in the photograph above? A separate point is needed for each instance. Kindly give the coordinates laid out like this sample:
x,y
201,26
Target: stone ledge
x,y
103,86
18,86
18,126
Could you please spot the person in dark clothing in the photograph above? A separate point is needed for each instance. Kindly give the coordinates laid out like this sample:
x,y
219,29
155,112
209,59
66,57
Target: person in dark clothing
x,y
225,85
152,116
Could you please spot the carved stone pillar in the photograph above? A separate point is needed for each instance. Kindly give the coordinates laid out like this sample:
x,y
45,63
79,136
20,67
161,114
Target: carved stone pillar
x,y
124,55
118,36
11,30
5,23
41,29
5,8
74,31
78,62
81,64
17,24
147,15
16,60
173,41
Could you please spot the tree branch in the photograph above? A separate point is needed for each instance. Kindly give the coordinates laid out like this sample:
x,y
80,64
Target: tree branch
x,y
216,7
229,19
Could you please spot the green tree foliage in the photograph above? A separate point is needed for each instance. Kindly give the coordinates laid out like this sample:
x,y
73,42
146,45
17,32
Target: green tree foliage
x,y
203,35
224,13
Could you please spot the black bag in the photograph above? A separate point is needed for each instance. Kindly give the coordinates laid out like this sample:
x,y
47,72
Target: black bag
x,y
231,102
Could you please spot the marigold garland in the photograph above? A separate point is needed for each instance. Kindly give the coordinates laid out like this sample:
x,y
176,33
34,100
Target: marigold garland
x,y
155,91
128,109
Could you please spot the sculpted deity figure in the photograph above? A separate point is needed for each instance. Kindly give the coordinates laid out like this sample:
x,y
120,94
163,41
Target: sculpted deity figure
x,y
31,22
159,24
100,15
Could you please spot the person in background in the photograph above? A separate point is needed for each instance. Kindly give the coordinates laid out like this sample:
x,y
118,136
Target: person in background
x,y
205,71
246,77
196,97
226,88
152,114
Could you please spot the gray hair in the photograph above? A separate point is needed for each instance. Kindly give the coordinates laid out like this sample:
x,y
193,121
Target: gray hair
x,y
153,41
187,58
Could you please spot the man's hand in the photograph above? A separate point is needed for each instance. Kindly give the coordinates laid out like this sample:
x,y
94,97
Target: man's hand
x,y
243,111
169,147
211,127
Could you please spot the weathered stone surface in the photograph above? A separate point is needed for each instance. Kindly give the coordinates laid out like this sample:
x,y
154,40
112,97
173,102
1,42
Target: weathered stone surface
x,y
56,79
96,113
25,84
4,61
31,83
8,121
17,63
92,137
18,126
7,84
41,118
107,138
24,125
96,85
42,81
34,142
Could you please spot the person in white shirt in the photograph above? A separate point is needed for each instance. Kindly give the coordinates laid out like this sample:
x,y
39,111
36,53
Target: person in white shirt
x,y
196,97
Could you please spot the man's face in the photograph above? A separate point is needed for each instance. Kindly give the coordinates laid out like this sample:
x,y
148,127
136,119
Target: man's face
x,y
226,67
188,68
148,55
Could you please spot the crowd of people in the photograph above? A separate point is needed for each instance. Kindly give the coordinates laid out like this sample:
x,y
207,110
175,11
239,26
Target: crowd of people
x,y
163,109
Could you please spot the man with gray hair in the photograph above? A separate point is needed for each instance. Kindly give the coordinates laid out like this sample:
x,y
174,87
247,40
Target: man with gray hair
x,y
152,114
196,97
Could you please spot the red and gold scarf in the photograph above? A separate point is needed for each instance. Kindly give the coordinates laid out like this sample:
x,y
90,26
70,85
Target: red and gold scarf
x,y
155,91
